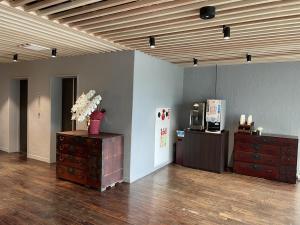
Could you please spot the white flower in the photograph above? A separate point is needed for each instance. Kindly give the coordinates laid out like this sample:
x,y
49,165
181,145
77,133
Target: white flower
x,y
85,105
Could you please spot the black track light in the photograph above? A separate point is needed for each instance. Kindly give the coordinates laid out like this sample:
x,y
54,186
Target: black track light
x,y
195,61
54,52
207,12
15,58
249,58
152,42
226,32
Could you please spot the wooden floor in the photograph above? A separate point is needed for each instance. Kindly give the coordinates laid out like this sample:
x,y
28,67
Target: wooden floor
x,y
30,194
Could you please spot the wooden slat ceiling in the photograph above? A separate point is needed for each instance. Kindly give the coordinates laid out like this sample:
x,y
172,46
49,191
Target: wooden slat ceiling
x,y
269,30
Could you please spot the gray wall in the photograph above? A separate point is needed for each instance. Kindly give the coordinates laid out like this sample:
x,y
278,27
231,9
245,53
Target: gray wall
x,y
156,84
199,85
270,92
109,74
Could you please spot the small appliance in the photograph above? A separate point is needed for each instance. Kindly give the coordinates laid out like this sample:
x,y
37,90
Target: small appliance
x,y
197,116
215,115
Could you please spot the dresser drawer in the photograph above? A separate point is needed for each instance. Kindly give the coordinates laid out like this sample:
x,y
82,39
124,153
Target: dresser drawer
x,y
257,170
288,174
74,150
93,143
71,174
72,161
252,157
255,139
70,140
289,151
288,160
258,148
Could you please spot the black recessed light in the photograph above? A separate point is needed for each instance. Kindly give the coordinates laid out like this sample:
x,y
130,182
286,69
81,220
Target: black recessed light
x,y
207,12
195,61
249,58
15,58
54,52
152,42
226,32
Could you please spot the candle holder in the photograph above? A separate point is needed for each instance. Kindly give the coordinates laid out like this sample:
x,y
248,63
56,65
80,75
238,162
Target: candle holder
x,y
246,128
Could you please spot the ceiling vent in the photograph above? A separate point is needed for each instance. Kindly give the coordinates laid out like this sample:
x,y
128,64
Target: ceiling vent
x,y
34,47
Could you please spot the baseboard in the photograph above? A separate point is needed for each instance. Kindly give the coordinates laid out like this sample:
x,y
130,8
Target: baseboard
x,y
14,151
39,158
3,149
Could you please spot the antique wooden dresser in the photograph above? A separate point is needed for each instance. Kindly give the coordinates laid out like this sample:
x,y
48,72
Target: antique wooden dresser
x,y
93,161
272,157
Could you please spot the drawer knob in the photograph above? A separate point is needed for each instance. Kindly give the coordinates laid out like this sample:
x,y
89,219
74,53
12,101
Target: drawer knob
x,y
255,167
256,147
256,156
61,138
71,170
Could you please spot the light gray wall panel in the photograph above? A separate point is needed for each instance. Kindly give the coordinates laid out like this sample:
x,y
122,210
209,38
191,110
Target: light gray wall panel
x,y
157,83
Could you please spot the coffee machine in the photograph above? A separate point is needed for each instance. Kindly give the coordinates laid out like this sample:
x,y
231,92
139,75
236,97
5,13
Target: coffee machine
x,y
215,115
197,116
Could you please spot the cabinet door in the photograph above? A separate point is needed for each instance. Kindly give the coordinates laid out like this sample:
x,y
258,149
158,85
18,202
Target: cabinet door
x,y
202,151
191,155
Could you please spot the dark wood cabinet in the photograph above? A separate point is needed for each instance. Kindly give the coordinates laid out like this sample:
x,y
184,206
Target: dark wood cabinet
x,y
179,150
205,151
272,157
95,161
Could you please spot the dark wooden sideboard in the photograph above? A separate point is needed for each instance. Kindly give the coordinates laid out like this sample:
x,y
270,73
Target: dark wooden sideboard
x,y
95,161
205,151
272,157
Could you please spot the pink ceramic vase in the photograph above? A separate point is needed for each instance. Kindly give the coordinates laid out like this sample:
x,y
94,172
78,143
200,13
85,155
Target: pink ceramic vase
x,y
95,122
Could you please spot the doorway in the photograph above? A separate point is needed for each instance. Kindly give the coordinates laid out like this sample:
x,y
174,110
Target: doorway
x,y
63,96
69,92
23,116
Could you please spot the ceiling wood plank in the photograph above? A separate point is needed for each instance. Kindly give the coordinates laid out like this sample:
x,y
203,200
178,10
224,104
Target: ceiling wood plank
x,y
17,3
89,8
65,6
117,10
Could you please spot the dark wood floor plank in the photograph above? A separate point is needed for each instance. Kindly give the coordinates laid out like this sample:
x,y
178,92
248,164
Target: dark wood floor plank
x,y
31,194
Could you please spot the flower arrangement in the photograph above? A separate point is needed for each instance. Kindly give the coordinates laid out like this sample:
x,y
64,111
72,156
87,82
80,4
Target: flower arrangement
x,y
85,105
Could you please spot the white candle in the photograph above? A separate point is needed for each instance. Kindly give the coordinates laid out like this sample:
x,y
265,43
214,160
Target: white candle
x,y
242,119
249,120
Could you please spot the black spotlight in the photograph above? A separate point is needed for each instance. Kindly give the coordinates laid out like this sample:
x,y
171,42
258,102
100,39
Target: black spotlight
x,y
195,61
249,58
152,42
54,52
207,12
226,32
15,58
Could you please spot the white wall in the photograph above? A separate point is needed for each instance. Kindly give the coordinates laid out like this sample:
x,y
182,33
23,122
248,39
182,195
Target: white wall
x,y
270,92
156,84
110,74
